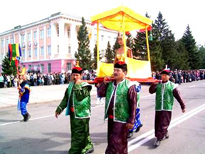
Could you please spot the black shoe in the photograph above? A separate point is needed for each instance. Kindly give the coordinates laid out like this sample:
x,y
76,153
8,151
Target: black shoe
x,y
138,129
28,116
166,135
23,120
157,142
130,134
90,151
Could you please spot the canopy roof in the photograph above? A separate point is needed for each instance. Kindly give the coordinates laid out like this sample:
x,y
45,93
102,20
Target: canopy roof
x,y
113,19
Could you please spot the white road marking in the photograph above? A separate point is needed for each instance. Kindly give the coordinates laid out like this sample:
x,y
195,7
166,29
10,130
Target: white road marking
x,y
192,86
43,117
149,135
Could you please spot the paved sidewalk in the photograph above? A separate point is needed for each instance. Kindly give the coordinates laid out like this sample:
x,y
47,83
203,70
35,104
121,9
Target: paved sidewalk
x,y
39,94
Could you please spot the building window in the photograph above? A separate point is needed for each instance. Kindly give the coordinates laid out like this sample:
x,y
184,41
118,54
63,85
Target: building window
x,y
7,42
68,32
29,52
22,38
49,32
42,34
102,37
35,35
23,53
57,30
49,67
35,52
95,38
29,37
2,43
49,50
42,68
12,40
69,48
42,51
68,66
58,49
29,67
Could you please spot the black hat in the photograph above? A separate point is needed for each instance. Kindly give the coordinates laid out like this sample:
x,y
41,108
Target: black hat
x,y
121,64
78,70
167,72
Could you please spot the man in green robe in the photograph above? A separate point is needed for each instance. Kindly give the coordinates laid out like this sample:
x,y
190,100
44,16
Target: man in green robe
x,y
77,103
165,91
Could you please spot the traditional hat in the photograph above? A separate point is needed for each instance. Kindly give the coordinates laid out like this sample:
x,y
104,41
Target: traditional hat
x,y
121,64
78,70
167,72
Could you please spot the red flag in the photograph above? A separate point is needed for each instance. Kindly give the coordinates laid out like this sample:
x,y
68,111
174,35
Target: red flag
x,y
10,50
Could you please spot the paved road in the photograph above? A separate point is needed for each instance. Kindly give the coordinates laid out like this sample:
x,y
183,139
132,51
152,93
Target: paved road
x,y
45,134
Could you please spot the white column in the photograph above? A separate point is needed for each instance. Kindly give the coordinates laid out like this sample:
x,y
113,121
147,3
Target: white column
x,y
19,34
73,39
66,39
37,39
53,39
31,44
9,38
44,43
14,39
4,47
61,39
26,45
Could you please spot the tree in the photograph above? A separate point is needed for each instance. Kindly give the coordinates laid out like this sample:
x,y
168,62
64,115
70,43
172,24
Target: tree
x,y
190,46
139,47
202,57
7,68
110,55
167,39
83,55
183,57
157,63
115,46
94,61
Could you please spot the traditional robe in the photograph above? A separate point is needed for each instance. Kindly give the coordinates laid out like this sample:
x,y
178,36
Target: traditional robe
x,y
79,117
163,116
117,131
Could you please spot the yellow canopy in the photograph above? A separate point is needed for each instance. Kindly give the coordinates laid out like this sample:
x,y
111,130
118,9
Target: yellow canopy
x,y
120,17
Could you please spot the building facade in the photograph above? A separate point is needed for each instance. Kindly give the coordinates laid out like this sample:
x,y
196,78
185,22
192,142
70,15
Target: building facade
x,y
49,45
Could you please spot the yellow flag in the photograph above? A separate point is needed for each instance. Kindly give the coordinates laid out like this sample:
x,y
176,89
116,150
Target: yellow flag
x,y
17,50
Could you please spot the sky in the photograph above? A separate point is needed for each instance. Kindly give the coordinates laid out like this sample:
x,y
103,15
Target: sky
x,y
177,13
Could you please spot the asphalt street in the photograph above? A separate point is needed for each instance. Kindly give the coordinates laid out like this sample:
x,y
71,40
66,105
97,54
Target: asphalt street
x,y
45,134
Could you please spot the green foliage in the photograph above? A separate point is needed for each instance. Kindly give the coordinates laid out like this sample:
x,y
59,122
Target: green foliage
x,y
190,46
183,56
110,54
167,39
157,62
139,47
116,46
202,57
7,68
83,55
94,61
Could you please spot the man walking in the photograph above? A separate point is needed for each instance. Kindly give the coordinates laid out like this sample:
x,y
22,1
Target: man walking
x,y
77,103
166,91
120,108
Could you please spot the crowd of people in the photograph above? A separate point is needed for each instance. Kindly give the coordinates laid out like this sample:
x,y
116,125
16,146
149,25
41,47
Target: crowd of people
x,y
182,76
39,79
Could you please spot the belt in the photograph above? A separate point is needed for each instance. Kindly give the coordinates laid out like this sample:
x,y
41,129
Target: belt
x,y
111,116
72,109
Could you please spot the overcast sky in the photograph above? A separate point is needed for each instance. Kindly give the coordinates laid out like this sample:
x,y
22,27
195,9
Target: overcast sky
x,y
177,13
